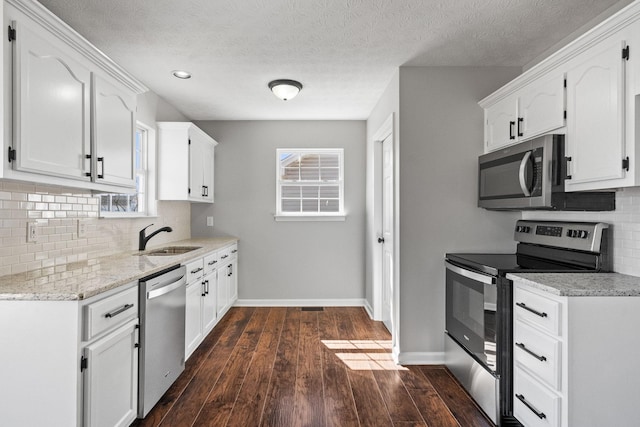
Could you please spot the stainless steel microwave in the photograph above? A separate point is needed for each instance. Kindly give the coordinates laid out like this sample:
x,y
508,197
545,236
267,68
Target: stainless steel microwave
x,y
531,175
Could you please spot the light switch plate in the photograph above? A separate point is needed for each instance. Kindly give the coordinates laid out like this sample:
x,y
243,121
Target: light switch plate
x,y
32,232
82,229
209,221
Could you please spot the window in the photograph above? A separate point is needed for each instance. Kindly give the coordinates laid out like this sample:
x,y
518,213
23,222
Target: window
x,y
310,184
138,203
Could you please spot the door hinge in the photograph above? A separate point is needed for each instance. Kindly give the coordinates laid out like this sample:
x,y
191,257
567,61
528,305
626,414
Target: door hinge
x,y
83,363
625,163
11,155
625,53
11,33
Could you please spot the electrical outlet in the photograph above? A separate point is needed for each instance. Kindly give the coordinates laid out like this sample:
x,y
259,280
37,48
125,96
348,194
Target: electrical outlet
x,y
82,229
209,221
32,232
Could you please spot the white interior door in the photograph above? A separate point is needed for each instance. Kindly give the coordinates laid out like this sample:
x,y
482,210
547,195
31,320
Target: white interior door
x,y
387,238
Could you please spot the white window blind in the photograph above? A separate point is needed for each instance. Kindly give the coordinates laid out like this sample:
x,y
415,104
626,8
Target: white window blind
x,y
310,182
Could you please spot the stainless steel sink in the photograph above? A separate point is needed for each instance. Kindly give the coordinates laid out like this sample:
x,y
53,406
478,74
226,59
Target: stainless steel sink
x,y
170,250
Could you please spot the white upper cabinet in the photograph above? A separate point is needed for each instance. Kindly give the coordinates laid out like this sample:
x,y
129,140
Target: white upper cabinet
x,y
595,106
114,132
51,106
588,90
536,109
500,121
185,162
69,111
541,106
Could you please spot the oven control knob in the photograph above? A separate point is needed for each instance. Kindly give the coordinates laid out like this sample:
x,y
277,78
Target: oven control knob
x,y
584,234
572,233
523,229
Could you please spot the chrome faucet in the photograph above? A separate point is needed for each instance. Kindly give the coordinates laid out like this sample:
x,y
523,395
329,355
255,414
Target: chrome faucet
x,y
142,240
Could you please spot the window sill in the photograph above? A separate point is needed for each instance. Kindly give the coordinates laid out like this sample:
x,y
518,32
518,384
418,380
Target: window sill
x,y
310,217
132,215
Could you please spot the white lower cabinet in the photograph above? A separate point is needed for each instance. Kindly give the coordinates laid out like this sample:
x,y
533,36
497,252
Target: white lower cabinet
x,y
110,379
575,359
70,363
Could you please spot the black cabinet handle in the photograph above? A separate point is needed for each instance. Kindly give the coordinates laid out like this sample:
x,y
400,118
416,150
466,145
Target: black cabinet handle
x,y
101,160
212,262
234,251
380,239
224,256
511,126
205,288
114,313
196,270
536,312
520,122
539,414
537,356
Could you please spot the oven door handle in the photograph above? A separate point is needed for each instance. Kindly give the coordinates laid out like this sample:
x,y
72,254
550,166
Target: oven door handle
x,y
489,280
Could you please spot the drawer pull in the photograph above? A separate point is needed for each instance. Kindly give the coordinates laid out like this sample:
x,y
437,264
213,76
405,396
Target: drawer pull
x,y
196,270
224,256
212,262
539,414
522,346
114,313
234,251
536,312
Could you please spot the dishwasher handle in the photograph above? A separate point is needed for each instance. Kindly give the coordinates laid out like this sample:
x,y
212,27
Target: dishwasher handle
x,y
166,289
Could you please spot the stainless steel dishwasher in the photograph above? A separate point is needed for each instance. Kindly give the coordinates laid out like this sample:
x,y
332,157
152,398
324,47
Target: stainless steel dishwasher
x,y
162,316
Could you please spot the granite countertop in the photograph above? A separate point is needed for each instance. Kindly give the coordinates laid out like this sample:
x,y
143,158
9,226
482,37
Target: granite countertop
x,y
581,284
84,279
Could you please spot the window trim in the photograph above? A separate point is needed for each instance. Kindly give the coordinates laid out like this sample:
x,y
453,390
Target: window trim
x,y
310,216
150,179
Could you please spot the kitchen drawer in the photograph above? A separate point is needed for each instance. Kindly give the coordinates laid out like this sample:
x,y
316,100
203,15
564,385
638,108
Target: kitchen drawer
x,y
542,312
225,255
233,251
195,270
211,262
542,407
538,353
107,313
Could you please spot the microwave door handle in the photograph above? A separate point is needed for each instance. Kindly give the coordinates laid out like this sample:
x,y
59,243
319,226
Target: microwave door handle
x,y
523,174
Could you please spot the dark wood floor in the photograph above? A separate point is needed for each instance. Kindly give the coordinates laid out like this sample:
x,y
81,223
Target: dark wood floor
x,y
288,367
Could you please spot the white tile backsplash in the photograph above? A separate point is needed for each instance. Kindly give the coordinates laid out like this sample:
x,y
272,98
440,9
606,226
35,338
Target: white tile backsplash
x,y
625,221
56,211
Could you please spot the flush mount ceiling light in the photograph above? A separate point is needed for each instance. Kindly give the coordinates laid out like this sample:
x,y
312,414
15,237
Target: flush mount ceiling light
x,y
181,74
285,89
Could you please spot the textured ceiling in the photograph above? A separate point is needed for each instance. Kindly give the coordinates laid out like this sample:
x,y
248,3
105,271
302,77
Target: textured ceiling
x,y
343,51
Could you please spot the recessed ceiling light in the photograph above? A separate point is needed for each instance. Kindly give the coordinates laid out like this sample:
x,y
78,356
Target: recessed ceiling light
x,y
181,74
285,89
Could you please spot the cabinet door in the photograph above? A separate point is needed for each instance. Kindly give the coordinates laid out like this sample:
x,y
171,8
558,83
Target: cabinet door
x,y
541,106
51,106
196,170
193,322
207,172
209,306
111,378
233,281
114,132
595,114
223,290
500,126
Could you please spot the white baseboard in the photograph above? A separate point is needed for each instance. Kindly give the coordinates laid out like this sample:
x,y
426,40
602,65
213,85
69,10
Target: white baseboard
x,y
421,358
368,309
356,302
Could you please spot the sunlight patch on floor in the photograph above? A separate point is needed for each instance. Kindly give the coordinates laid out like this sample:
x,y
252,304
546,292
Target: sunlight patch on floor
x,y
376,357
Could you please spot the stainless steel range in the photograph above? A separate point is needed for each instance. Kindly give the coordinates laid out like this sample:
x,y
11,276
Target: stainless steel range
x,y
479,320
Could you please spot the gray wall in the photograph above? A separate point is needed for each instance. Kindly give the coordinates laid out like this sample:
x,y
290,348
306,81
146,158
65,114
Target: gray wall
x,y
285,260
439,138
441,128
